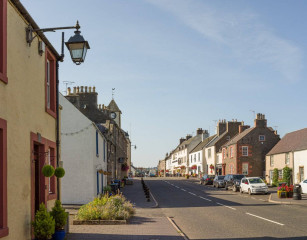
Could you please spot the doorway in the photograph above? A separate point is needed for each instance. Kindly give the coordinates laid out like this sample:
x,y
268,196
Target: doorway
x,y
36,178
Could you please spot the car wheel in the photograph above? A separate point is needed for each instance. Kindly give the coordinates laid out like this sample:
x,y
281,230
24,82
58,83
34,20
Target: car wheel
x,y
214,185
249,192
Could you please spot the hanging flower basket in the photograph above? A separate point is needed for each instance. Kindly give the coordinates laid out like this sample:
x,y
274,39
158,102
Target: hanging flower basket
x,y
211,166
194,167
182,167
48,170
125,167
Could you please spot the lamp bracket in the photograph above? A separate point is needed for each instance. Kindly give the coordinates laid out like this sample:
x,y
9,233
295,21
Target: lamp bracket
x,y
30,30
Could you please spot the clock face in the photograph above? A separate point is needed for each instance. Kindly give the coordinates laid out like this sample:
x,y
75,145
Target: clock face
x,y
113,115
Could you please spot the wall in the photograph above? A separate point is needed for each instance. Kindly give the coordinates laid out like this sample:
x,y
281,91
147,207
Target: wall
x,y
279,163
300,160
79,186
21,99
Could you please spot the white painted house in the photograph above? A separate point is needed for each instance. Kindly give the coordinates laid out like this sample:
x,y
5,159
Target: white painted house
x,y
197,156
83,150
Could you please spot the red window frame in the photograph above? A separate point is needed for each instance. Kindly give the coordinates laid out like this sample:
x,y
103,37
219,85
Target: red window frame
x,y
3,41
51,109
4,231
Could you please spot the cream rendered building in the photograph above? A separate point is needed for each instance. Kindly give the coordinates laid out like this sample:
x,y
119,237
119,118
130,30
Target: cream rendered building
x,y
27,122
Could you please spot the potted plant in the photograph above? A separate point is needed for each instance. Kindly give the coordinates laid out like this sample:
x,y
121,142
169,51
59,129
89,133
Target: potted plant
x,y
43,224
60,218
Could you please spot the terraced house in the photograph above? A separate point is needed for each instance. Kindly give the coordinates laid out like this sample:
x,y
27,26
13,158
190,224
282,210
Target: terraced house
x,y
27,121
245,153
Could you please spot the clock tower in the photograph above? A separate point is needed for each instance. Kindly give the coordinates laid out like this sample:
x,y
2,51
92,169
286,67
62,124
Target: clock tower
x,y
115,112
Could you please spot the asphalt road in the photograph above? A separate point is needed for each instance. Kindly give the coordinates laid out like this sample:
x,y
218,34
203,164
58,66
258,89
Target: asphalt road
x,y
203,212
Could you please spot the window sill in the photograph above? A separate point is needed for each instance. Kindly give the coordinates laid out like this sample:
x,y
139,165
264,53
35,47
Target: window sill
x,y
3,78
4,232
52,196
50,112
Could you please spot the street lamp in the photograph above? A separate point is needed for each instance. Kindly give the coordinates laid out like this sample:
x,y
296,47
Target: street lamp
x,y
77,47
76,44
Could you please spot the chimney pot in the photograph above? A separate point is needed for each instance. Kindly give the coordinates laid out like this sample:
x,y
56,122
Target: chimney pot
x,y
85,89
82,89
78,89
90,89
68,91
94,89
75,89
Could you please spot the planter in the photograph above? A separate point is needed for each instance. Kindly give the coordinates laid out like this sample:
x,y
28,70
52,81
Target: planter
x,y
282,194
59,235
289,194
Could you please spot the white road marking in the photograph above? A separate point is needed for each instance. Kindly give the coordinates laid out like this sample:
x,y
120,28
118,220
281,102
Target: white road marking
x,y
176,187
281,224
183,189
192,193
225,206
205,199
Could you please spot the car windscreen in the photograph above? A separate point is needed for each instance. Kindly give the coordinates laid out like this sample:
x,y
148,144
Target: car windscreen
x,y
239,177
221,177
255,180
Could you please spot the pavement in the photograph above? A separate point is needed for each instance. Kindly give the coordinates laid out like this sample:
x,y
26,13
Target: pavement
x,y
149,223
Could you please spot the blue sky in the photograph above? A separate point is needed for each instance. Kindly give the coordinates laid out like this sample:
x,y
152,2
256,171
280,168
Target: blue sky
x,y
178,65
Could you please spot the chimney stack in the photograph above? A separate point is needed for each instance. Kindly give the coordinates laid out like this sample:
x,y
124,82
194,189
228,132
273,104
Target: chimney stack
x,y
260,120
204,135
199,131
243,127
181,140
188,137
221,127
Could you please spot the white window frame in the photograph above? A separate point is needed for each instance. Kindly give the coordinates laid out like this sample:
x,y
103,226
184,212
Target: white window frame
x,y
287,158
231,152
272,160
243,151
261,136
245,168
49,179
48,83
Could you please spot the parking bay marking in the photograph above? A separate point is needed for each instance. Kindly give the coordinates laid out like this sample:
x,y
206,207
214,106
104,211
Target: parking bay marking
x,y
192,193
281,224
183,189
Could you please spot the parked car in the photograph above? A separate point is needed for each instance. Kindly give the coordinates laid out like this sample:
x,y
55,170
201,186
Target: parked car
x,y
207,179
253,185
233,181
218,181
304,186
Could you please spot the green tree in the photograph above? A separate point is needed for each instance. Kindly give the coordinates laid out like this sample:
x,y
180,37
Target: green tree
x,y
287,174
275,177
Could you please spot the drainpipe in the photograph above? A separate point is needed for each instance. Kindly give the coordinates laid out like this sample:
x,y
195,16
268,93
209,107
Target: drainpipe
x,y
57,126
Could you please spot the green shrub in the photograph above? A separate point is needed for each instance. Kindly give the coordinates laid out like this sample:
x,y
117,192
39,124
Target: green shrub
x,y
48,170
106,208
59,215
287,174
107,189
59,172
43,224
275,177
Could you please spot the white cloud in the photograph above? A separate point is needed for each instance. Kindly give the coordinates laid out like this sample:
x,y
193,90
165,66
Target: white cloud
x,y
242,32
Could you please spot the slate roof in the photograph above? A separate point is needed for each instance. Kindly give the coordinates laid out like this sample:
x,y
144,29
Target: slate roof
x,y
216,139
101,128
293,141
202,144
113,106
239,136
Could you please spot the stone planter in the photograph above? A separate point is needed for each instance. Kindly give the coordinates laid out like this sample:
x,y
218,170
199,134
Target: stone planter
x,y
282,194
